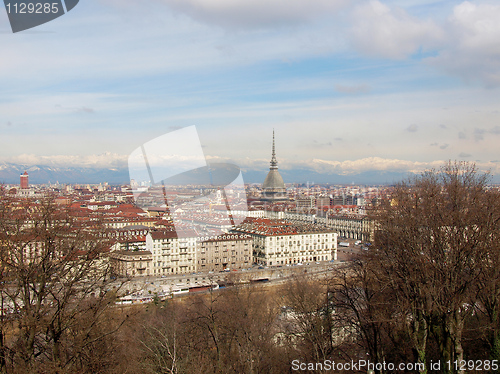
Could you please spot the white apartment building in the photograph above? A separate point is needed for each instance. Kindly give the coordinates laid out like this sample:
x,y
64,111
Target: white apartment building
x,y
278,242
171,254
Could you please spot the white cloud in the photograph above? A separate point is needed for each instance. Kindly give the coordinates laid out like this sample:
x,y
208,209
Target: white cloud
x,y
472,50
373,163
241,14
390,32
478,26
104,160
384,164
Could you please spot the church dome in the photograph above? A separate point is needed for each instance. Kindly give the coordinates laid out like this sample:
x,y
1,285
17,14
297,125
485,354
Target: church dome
x,y
273,180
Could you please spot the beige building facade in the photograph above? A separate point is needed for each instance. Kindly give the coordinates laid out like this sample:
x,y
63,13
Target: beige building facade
x,y
172,254
225,252
131,263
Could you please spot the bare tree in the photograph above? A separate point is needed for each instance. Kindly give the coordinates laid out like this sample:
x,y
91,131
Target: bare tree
x,y
54,276
486,300
431,241
159,341
228,331
368,313
307,318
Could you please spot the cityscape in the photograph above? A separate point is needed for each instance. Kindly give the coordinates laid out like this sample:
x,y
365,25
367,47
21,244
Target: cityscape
x,y
152,247
148,238
249,186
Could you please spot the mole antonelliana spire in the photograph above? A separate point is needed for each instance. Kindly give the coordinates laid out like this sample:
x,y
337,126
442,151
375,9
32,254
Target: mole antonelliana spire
x,y
273,188
274,163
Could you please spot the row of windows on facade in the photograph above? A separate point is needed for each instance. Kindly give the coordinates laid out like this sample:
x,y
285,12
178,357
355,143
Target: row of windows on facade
x,y
307,241
300,236
300,260
224,260
175,270
216,246
302,253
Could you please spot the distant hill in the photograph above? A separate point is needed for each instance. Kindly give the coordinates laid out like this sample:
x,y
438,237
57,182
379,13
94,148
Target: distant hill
x,y
40,174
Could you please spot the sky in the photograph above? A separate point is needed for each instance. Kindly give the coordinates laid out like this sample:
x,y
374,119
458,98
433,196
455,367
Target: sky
x,y
347,85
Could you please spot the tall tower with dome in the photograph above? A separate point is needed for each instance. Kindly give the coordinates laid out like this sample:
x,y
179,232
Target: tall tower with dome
x,y
273,188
